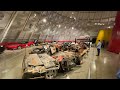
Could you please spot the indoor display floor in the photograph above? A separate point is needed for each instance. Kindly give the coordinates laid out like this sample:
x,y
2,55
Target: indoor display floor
x,y
104,66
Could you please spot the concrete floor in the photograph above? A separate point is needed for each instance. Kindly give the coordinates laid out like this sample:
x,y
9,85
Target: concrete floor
x,y
78,72
103,67
11,63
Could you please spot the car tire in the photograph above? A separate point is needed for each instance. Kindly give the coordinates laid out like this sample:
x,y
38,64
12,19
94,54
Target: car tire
x,y
19,47
51,74
57,50
32,45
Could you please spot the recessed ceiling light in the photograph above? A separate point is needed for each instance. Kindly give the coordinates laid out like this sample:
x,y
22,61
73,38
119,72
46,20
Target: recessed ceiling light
x,y
98,23
34,15
95,23
72,27
59,26
75,18
44,20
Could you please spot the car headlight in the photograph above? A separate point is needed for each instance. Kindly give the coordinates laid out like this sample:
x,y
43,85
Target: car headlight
x,y
1,46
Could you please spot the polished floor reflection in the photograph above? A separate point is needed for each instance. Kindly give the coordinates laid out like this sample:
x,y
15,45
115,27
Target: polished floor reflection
x,y
11,64
104,66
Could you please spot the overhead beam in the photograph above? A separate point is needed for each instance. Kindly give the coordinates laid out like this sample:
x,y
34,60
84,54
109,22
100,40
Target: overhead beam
x,y
27,19
9,25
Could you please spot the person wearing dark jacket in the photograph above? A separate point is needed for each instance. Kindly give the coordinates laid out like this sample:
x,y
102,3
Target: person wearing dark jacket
x,y
103,43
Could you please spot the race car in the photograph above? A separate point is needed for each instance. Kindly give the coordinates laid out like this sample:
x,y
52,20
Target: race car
x,y
26,44
7,43
19,45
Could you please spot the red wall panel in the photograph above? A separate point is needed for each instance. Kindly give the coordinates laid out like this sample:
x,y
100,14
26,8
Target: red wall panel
x,y
114,45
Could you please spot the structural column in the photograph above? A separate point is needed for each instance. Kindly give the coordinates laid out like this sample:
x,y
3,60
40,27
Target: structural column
x,y
114,45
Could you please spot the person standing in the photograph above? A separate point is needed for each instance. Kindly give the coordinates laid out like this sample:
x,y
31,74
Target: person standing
x,y
98,47
103,44
89,43
36,42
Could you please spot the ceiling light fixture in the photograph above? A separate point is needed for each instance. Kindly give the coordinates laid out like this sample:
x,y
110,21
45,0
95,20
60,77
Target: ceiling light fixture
x,y
59,26
44,20
95,23
72,27
70,16
34,15
75,18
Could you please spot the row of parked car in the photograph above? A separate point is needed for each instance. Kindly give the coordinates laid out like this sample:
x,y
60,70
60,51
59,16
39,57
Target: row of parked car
x,y
49,59
15,45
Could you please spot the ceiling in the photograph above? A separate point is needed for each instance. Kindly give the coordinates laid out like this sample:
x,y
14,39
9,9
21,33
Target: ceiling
x,y
80,19
64,24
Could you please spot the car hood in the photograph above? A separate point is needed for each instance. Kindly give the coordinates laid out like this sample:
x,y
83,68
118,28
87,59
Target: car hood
x,y
12,45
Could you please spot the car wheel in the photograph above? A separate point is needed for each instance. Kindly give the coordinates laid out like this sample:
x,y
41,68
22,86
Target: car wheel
x,y
57,50
51,74
19,47
31,45
77,60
